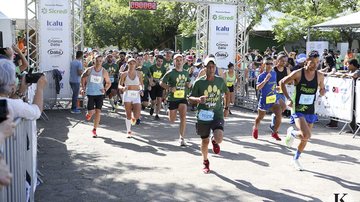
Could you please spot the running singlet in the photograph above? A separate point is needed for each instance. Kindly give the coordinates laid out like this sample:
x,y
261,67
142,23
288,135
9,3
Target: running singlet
x,y
95,82
305,94
178,80
230,80
268,92
280,75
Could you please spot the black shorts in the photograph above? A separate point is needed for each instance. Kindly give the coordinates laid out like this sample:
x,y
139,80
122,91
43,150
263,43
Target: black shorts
x,y
231,88
114,86
156,91
95,102
145,98
204,129
175,104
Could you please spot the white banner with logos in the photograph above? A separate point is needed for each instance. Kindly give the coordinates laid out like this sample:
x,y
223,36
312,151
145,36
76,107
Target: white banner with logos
x,y
55,40
357,99
222,33
338,101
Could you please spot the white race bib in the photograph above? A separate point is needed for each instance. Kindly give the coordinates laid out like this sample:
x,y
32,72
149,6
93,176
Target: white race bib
x,y
132,93
306,99
95,79
205,115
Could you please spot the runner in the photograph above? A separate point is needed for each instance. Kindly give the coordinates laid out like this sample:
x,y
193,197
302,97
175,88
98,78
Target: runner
x,y
207,93
113,69
307,80
281,72
266,85
156,93
194,72
177,81
92,82
230,77
131,84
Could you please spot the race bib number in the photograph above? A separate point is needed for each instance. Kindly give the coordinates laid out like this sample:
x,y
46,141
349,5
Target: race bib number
x,y
229,84
112,79
306,99
157,75
95,79
132,93
179,94
205,115
271,99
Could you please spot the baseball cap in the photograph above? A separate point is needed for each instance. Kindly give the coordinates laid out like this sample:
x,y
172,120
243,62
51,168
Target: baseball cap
x,y
131,59
177,55
313,54
209,59
301,58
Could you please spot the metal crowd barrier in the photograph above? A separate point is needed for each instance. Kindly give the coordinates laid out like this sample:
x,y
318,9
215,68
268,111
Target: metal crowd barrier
x,y
246,95
18,152
50,96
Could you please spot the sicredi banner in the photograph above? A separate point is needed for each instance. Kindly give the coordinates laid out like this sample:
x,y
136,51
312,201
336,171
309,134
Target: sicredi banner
x,y
222,33
55,40
338,99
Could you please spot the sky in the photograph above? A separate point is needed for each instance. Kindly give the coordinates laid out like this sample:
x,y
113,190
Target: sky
x,y
13,8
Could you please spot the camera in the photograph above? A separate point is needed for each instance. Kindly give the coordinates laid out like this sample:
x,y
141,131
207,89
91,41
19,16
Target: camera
x,y
33,77
3,110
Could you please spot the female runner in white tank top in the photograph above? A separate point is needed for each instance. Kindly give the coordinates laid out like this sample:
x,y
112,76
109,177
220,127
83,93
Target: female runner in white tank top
x,y
131,84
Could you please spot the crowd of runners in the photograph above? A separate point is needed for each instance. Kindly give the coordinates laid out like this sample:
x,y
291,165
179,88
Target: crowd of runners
x,y
153,81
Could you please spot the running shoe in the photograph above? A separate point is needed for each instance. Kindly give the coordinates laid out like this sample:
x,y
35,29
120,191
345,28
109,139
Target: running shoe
x,y
255,133
297,165
133,121
216,146
157,117
289,140
129,134
94,133
276,136
151,111
75,111
138,121
230,112
182,142
88,116
117,106
206,168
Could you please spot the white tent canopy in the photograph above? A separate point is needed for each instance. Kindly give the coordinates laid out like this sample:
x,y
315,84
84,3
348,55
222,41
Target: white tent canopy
x,y
351,21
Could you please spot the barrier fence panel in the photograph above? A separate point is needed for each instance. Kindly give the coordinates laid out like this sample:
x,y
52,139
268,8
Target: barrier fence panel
x,y
357,106
246,94
338,101
15,152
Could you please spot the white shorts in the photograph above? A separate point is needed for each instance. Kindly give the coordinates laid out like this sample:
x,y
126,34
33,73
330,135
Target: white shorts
x,y
132,96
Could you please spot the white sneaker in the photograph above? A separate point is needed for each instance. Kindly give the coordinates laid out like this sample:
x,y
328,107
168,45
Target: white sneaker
x,y
289,140
297,165
182,142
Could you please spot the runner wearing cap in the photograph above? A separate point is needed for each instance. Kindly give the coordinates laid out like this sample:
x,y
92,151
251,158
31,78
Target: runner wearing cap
x,y
176,82
266,85
131,84
156,72
168,62
307,80
207,93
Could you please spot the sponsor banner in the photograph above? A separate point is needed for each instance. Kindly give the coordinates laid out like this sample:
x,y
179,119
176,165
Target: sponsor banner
x,y
55,40
338,100
222,33
143,5
357,99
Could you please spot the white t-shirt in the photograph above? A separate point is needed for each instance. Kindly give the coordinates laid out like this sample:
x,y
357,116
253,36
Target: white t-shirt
x,y
19,109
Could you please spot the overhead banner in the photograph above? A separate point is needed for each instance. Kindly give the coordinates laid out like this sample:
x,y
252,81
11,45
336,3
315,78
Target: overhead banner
x,y
222,33
55,40
338,100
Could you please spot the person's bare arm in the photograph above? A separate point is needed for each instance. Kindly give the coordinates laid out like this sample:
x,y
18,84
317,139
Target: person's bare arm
x,y
107,81
292,78
24,62
38,98
321,84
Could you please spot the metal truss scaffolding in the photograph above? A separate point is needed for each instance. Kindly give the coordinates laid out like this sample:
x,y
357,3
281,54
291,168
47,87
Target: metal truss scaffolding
x,y
77,25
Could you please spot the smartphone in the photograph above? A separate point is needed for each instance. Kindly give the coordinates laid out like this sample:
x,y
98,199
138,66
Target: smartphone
x,y
3,110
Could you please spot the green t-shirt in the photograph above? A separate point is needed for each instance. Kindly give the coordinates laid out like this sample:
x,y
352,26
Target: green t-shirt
x,y
167,64
173,78
214,91
146,75
157,73
147,64
186,66
113,70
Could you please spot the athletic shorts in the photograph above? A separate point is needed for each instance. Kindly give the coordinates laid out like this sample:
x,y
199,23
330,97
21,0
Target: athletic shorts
x,y
145,98
175,104
156,91
132,96
280,96
114,86
265,107
203,130
95,102
231,88
309,118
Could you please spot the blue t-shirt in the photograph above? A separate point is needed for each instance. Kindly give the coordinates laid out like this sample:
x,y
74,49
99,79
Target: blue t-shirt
x,y
75,65
268,92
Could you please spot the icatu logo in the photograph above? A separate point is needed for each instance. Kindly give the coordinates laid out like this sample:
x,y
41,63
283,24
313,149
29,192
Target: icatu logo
x,y
55,52
221,54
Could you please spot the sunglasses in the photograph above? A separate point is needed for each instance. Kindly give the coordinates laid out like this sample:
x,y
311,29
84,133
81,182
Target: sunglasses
x,y
269,63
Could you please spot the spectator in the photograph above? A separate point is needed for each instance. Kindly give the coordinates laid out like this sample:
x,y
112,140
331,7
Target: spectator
x,y
76,69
